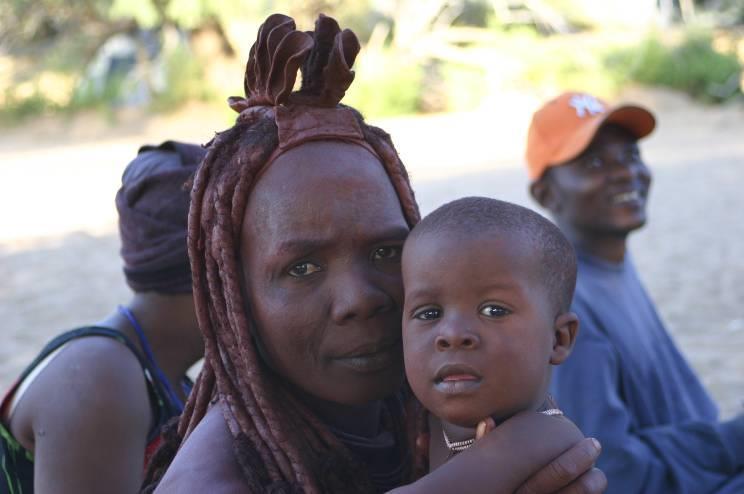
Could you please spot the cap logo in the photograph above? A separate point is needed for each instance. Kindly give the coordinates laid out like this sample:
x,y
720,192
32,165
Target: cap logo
x,y
585,104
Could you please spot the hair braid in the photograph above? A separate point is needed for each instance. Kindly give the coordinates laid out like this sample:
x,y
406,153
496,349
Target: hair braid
x,y
280,445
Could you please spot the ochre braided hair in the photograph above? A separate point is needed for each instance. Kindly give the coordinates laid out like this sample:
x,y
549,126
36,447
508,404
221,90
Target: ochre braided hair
x,y
280,445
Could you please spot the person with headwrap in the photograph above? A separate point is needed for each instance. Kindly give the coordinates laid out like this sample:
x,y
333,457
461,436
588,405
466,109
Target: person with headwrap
x,y
87,413
298,216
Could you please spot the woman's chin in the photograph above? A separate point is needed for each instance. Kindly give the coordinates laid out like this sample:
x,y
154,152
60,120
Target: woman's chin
x,y
361,389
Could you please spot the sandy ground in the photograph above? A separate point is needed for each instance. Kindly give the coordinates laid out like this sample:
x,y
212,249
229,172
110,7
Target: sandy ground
x,y
59,264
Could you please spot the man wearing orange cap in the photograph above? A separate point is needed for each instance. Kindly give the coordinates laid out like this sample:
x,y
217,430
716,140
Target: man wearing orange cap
x,y
626,383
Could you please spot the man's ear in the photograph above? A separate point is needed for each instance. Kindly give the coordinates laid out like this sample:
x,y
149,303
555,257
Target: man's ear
x,y
564,330
543,192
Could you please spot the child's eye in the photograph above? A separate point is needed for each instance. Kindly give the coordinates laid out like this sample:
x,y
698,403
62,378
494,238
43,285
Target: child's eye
x,y
302,269
390,252
428,314
494,311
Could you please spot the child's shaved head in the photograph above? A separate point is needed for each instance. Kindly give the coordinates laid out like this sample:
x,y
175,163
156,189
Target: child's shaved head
x,y
555,257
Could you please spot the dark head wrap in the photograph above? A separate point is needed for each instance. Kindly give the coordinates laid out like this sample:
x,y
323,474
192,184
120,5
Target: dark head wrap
x,y
153,205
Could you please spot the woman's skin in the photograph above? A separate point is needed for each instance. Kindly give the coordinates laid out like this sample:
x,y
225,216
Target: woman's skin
x,y
320,250
86,416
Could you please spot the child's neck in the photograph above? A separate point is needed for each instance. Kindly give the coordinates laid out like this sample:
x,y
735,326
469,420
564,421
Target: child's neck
x,y
456,433
439,453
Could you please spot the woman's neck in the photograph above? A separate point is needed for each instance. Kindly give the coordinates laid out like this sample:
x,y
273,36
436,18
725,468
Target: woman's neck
x,y
359,420
171,330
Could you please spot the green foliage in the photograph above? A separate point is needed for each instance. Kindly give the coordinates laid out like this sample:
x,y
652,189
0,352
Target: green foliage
x,y
466,86
185,81
690,65
46,38
476,13
87,97
15,110
142,11
554,66
385,85
25,21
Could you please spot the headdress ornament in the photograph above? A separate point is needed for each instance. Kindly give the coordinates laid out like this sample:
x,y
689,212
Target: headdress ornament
x,y
311,113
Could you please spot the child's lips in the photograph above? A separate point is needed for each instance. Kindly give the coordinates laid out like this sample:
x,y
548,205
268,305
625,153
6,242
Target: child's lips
x,y
456,379
460,377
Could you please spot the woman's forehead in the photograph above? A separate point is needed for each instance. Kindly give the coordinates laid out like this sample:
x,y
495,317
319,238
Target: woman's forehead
x,y
322,183
346,155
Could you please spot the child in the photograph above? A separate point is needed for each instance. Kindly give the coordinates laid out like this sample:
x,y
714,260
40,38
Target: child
x,y
487,286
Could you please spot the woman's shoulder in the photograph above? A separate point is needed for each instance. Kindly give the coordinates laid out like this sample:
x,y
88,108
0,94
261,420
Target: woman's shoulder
x,y
205,462
89,380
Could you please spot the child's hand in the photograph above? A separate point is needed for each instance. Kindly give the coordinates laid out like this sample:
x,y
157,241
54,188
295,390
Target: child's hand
x,y
484,427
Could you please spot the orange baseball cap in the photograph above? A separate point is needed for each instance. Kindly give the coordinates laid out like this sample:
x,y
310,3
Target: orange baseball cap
x,y
565,126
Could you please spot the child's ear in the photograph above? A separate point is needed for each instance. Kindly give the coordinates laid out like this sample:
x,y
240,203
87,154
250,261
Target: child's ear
x,y
565,328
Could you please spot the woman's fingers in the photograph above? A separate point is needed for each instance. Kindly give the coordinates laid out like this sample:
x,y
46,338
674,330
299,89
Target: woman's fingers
x,y
592,482
570,473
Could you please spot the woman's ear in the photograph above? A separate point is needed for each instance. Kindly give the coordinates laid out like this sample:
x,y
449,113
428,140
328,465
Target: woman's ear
x,y
564,329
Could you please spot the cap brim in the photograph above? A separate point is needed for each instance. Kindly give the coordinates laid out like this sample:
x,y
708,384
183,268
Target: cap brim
x,y
637,120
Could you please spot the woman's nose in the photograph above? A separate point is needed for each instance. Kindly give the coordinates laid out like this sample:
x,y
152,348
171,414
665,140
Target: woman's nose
x,y
359,294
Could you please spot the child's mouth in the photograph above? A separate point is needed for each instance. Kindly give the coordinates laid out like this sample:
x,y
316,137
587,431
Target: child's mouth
x,y
456,378
460,377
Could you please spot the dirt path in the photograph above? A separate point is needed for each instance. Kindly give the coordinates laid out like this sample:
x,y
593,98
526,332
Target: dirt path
x,y
59,262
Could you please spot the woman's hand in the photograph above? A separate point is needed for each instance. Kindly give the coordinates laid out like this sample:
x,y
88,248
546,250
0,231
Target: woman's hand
x,y
566,470
564,474
550,452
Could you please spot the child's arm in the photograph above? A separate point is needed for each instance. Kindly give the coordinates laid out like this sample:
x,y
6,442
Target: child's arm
x,y
513,452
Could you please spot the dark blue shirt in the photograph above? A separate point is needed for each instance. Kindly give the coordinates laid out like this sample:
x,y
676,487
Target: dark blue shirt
x,y
627,384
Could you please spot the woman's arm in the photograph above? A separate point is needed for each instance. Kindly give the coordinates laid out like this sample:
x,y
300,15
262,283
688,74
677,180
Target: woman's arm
x,y
88,412
515,451
205,462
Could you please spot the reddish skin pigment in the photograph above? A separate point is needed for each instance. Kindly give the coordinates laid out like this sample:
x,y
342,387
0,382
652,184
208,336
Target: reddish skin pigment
x,y
324,281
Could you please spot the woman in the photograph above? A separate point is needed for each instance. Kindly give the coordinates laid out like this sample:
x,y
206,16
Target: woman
x,y
86,413
298,216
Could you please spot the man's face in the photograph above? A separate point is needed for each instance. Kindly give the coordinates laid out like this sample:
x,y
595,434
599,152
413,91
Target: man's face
x,y
604,190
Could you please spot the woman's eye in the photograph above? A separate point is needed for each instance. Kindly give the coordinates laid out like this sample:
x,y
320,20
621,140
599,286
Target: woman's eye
x,y
494,311
303,269
383,253
428,314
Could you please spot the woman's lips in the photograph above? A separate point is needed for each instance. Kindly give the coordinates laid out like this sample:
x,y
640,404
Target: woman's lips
x,y
374,358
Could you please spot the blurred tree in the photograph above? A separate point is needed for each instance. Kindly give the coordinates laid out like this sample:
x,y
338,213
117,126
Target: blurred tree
x,y
27,21
729,12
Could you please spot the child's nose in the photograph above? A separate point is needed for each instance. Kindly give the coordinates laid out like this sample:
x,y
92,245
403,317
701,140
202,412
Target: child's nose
x,y
456,337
